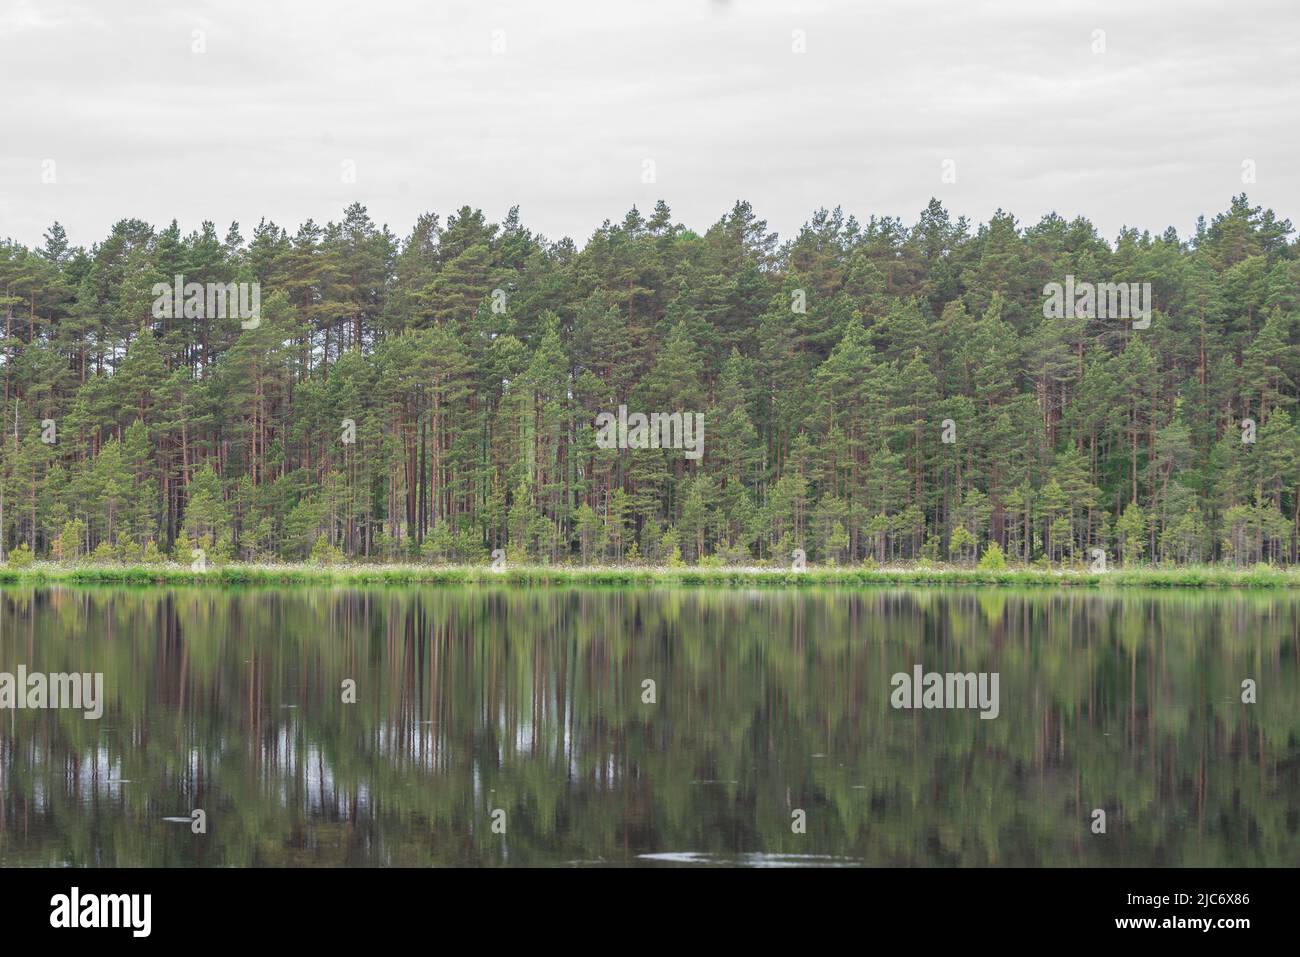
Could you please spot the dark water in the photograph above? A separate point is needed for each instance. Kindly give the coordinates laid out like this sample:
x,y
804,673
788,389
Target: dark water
x,y
471,701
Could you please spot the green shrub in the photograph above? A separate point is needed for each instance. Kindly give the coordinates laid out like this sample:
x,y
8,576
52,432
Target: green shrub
x,y
222,550
21,556
104,553
438,544
993,559
738,553
67,547
961,542
671,547
323,553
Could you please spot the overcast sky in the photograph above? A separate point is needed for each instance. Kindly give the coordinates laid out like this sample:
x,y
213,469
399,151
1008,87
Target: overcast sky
x,y
557,105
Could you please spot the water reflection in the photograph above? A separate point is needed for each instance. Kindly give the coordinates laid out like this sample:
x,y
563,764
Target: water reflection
x,y
533,703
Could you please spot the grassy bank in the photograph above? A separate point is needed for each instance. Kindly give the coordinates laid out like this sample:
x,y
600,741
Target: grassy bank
x,y
1202,576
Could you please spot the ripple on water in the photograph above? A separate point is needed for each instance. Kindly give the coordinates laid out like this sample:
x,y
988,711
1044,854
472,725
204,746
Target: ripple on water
x,y
753,859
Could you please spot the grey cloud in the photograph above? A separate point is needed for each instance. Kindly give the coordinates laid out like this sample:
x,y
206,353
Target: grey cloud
x,y
1151,133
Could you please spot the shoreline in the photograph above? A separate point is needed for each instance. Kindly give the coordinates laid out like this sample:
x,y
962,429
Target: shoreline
x,y
1187,577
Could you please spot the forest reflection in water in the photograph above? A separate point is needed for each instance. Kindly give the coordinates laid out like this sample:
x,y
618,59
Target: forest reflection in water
x,y
532,702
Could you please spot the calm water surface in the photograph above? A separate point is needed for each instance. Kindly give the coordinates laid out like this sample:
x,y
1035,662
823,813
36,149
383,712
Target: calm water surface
x,y
471,701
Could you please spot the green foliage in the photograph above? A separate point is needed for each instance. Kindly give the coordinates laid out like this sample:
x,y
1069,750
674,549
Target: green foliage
x,y
993,559
20,557
671,548
962,543
439,544
918,395
70,545
104,552
1040,574
323,553
1131,530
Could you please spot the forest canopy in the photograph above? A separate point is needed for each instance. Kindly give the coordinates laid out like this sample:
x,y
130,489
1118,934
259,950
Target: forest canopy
x,y
872,391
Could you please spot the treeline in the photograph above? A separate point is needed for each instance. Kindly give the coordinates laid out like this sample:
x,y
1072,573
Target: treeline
x,y
869,391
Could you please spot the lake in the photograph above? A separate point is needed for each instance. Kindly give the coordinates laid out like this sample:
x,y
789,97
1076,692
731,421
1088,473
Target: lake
x,y
653,727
